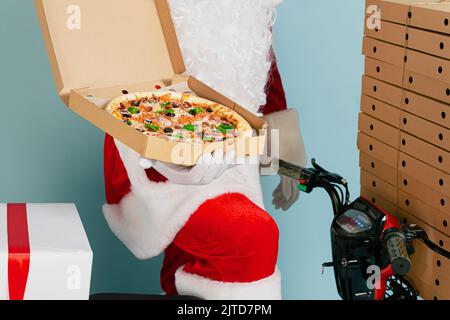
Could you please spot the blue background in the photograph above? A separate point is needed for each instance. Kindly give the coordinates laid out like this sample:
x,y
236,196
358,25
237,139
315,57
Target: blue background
x,y
49,154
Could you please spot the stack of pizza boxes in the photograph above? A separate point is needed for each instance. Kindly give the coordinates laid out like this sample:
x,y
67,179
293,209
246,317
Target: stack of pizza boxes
x,y
404,126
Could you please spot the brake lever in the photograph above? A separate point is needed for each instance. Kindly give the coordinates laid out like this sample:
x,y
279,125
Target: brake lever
x,y
329,176
413,232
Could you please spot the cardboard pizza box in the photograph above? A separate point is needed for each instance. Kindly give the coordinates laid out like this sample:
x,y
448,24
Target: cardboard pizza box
x,y
424,107
379,201
408,59
379,130
380,110
378,168
408,167
378,186
405,201
379,91
425,14
409,80
377,149
406,143
426,291
389,134
405,217
430,203
430,271
404,163
429,42
437,219
101,49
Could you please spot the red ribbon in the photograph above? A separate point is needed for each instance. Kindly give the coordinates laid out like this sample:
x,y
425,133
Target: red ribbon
x,y
18,250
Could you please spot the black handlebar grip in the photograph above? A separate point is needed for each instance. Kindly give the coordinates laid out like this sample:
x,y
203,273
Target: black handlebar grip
x,y
289,170
395,243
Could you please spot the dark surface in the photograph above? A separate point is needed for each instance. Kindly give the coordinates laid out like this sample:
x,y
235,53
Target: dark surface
x,y
124,296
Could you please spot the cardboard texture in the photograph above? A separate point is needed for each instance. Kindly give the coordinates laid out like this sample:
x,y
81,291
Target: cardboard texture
x,y
424,107
406,143
96,62
426,14
409,123
410,167
411,60
405,217
379,201
411,194
378,150
378,186
407,79
413,38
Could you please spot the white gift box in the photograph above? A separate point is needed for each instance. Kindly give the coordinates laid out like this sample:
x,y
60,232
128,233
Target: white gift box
x,y
44,253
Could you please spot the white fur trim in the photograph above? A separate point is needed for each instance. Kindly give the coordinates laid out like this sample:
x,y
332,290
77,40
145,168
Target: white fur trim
x,y
149,217
197,286
226,44
290,143
272,3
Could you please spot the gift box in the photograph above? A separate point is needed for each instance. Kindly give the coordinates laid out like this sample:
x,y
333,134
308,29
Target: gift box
x,y
404,125
44,253
102,49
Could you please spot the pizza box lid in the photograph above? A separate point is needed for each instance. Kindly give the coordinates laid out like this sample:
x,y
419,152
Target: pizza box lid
x,y
427,14
105,43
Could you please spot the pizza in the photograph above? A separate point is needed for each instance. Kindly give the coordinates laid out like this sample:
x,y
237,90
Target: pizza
x,y
179,117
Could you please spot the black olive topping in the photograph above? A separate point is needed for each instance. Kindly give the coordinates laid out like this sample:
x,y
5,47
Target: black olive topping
x,y
136,103
209,110
126,115
168,130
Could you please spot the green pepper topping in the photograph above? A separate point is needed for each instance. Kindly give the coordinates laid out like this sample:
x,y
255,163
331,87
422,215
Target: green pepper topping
x,y
165,104
129,122
196,111
169,112
133,110
209,139
190,127
224,128
152,127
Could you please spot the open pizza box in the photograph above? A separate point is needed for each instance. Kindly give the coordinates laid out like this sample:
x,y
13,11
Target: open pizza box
x,y
101,49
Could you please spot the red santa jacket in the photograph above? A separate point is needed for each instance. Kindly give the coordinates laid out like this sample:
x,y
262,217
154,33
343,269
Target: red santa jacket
x,y
117,184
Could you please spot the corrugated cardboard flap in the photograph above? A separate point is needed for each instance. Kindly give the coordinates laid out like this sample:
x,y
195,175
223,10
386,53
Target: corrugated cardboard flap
x,y
104,43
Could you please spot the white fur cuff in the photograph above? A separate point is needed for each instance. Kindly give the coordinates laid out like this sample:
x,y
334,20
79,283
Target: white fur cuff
x,y
290,143
197,286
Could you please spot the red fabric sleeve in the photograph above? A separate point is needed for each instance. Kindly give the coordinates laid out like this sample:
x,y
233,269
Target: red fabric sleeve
x,y
117,184
276,97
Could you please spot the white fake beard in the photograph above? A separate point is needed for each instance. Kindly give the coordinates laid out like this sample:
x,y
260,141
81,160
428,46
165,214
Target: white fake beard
x,y
226,44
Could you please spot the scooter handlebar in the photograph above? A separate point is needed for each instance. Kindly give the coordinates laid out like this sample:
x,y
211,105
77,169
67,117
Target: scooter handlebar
x,y
395,244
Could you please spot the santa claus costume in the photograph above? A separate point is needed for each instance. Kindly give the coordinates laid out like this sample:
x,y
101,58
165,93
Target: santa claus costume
x,y
209,220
